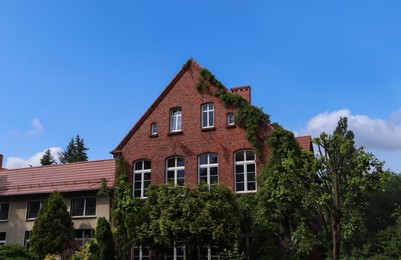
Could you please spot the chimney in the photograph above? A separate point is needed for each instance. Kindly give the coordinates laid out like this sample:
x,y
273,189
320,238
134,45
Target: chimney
x,y
244,91
1,161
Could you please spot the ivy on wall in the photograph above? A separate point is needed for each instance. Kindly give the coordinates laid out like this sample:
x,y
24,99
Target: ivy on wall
x,y
247,116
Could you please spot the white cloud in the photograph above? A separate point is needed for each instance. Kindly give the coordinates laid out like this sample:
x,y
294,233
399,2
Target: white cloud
x,y
16,162
373,133
37,128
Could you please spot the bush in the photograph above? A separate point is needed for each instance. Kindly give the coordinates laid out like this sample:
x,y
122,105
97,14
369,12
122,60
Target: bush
x,y
15,252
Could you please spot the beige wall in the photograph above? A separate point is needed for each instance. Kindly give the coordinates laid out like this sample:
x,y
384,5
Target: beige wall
x,y
17,224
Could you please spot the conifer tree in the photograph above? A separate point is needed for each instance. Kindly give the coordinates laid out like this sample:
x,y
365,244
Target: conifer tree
x,y
53,231
75,151
47,158
104,238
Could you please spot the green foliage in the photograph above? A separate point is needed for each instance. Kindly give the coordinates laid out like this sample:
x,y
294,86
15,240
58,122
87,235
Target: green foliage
x,y
283,199
389,240
249,117
104,239
75,151
123,206
86,252
201,216
15,252
47,158
103,190
344,177
53,230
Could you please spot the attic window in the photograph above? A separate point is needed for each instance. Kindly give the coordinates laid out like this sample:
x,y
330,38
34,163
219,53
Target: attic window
x,y
153,129
230,119
176,120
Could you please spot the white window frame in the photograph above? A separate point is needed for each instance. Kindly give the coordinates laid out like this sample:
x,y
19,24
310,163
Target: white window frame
x,y
3,242
2,206
208,166
245,163
141,254
141,172
175,169
26,239
84,214
208,115
175,252
176,120
153,129
86,236
230,119
28,209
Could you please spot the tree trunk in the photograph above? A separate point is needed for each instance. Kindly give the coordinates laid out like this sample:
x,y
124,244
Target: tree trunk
x,y
335,229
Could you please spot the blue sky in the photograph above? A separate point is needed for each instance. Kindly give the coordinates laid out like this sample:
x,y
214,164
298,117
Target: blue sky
x,y
93,67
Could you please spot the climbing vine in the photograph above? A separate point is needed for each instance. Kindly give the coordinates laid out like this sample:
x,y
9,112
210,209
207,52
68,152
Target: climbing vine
x,y
248,117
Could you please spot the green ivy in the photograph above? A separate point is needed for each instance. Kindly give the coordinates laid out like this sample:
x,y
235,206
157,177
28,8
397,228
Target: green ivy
x,y
248,117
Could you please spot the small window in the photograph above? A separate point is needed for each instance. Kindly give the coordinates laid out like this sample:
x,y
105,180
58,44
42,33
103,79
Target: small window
x,y
83,207
83,235
153,129
4,211
141,253
142,172
176,120
207,115
2,238
33,209
26,239
175,171
230,119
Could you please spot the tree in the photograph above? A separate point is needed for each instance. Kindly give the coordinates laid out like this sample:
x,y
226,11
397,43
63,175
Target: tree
x,y
53,231
75,151
345,174
47,158
104,239
283,200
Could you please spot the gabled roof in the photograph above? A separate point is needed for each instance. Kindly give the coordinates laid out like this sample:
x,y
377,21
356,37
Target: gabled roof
x,y
187,65
305,142
80,176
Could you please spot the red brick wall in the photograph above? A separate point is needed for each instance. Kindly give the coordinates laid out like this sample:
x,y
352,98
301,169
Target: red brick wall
x,y
192,142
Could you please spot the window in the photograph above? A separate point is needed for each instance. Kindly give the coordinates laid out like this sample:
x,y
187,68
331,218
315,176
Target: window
x,y
33,209
208,168
176,253
208,252
142,170
245,171
176,120
230,119
141,253
153,129
26,239
175,170
83,235
207,115
2,238
83,207
4,211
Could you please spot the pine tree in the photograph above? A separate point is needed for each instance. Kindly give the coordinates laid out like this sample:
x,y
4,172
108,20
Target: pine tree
x,y
75,151
47,158
104,238
53,231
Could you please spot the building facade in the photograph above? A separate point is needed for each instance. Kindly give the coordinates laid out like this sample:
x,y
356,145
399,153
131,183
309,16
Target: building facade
x,y
23,191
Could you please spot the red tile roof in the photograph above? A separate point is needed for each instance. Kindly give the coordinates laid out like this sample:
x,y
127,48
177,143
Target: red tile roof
x,y
62,177
305,142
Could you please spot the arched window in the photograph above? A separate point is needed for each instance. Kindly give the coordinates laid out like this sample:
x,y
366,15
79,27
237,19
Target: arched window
x,y
142,171
175,169
245,171
208,168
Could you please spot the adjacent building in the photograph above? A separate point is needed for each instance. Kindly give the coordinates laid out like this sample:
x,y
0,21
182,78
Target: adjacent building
x,y
22,192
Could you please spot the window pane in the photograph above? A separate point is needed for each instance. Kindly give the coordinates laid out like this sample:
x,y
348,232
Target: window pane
x,y
180,161
171,162
250,177
214,179
203,159
204,119
138,166
213,158
2,235
249,155
147,165
213,171
146,176
180,182
239,156
137,176
239,177
137,193
33,209
4,211
203,172
90,207
239,169
137,185
211,118
240,187
251,186
170,175
250,168
180,174
78,207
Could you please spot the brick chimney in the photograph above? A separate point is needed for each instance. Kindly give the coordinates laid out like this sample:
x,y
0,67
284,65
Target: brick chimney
x,y
244,91
1,161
